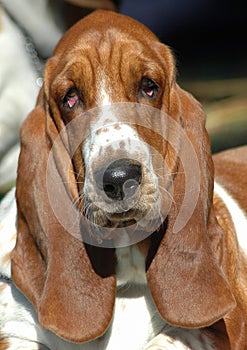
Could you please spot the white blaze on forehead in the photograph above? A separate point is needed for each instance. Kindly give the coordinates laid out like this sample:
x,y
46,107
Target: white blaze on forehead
x,y
104,98
103,92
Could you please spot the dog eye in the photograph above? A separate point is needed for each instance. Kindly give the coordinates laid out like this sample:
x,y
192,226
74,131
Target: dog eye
x,y
148,88
71,98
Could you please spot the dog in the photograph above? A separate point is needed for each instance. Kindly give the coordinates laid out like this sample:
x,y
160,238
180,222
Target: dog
x,y
129,235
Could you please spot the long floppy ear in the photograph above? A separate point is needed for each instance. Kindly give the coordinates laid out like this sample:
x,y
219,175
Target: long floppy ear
x,y
184,276
49,265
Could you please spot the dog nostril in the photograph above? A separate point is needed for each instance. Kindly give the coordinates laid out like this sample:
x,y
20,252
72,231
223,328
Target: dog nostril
x,y
110,189
122,179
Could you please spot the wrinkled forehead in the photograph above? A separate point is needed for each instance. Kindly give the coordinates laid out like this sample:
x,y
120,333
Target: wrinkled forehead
x,y
101,60
109,47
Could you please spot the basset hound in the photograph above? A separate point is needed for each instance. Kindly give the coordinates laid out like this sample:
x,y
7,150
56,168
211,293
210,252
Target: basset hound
x,y
128,236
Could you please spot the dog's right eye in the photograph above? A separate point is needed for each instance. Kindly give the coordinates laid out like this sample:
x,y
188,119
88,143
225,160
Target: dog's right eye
x,y
148,88
71,99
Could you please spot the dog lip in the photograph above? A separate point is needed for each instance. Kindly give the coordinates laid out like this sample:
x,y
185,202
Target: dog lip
x,y
127,223
121,216
120,220
123,223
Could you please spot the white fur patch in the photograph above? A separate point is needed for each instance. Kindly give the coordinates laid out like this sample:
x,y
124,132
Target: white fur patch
x,y
8,214
131,266
181,339
104,97
237,214
117,137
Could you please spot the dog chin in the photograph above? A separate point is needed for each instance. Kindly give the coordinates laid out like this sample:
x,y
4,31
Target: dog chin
x,y
117,220
143,221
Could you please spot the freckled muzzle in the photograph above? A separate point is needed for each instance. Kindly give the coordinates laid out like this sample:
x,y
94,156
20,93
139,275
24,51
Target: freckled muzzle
x,y
128,180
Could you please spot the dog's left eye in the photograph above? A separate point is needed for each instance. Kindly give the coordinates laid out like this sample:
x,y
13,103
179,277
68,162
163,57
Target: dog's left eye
x,y
71,98
148,88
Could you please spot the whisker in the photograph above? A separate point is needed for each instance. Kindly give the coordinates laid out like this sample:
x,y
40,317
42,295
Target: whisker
x,y
168,193
79,174
77,200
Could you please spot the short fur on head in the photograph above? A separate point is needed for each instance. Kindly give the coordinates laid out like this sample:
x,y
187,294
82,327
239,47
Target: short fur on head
x,y
71,285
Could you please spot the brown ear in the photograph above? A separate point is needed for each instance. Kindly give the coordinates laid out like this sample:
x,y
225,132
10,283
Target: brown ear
x,y
49,265
185,279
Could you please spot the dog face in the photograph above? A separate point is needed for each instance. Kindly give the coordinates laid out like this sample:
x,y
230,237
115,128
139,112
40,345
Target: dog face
x,y
116,75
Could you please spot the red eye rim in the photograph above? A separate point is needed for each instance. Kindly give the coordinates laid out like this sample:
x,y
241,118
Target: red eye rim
x,y
148,88
71,99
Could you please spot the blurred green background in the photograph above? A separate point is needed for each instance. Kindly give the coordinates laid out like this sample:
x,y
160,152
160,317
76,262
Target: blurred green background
x,y
225,103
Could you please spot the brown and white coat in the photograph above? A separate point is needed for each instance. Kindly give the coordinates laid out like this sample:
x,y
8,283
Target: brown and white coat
x,y
172,290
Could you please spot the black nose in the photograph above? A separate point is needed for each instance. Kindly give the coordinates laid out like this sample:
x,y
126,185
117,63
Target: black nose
x,y
122,179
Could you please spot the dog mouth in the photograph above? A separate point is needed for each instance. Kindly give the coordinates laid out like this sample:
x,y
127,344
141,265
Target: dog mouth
x,y
112,220
120,220
120,224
